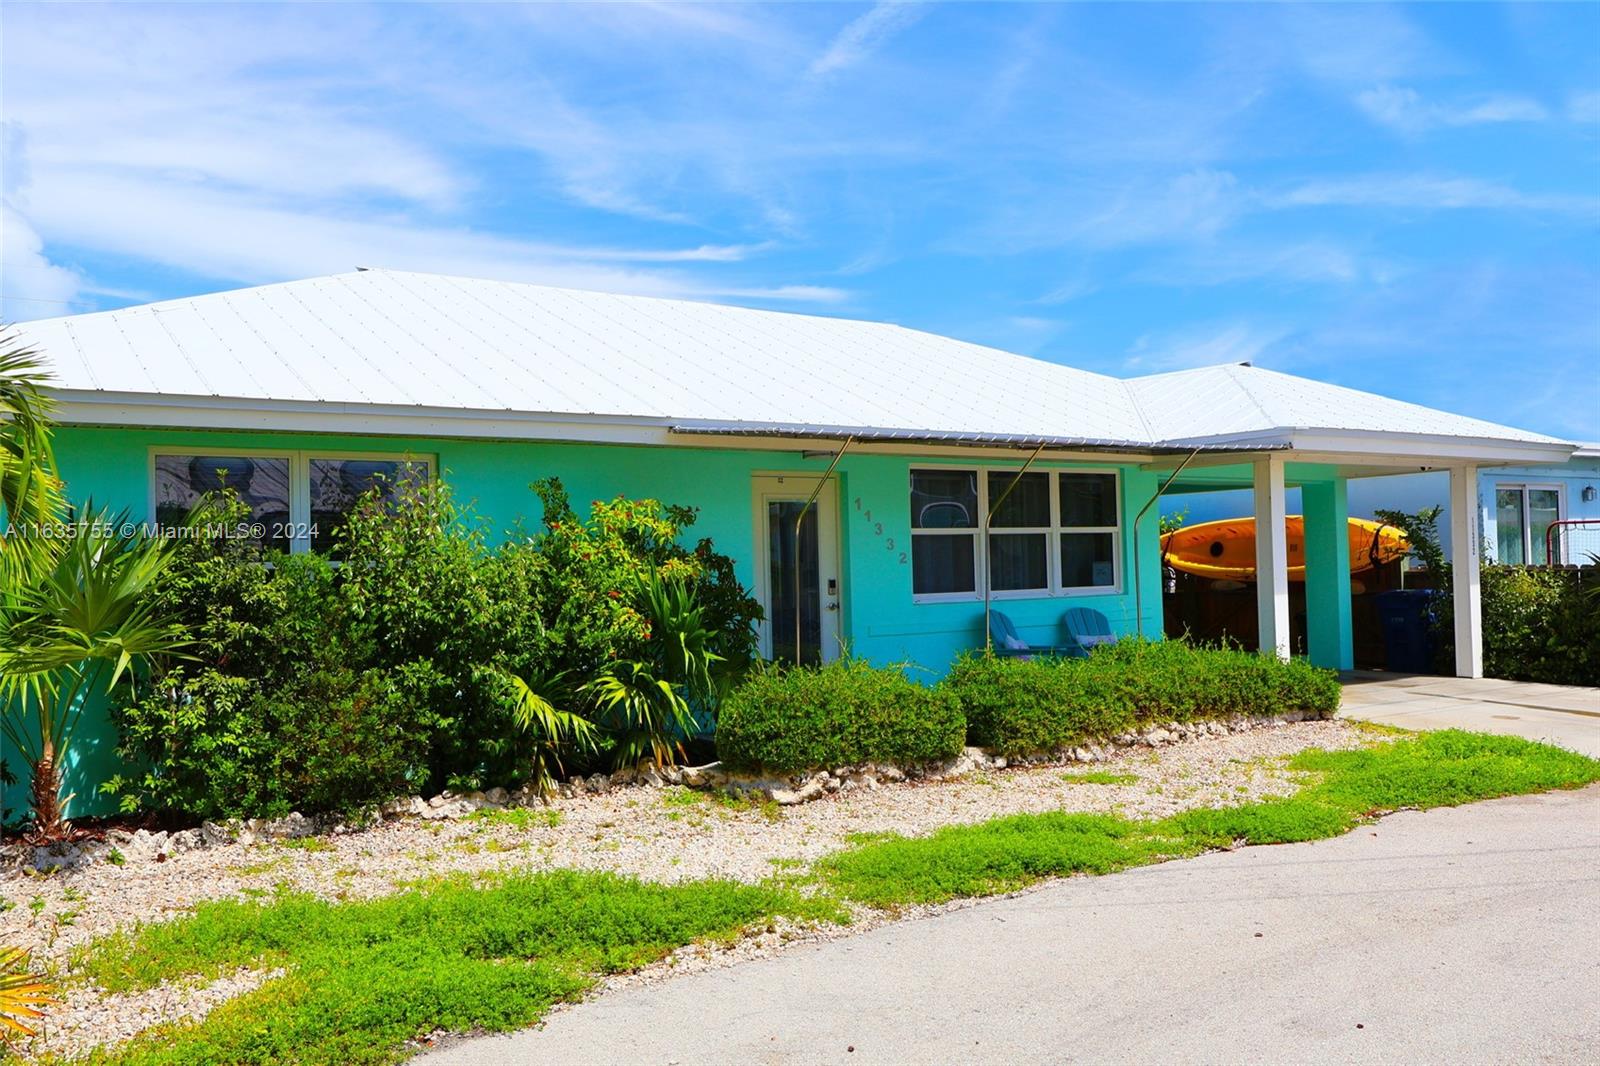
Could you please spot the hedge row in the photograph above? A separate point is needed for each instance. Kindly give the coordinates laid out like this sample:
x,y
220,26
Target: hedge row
x,y
842,714
1020,707
785,720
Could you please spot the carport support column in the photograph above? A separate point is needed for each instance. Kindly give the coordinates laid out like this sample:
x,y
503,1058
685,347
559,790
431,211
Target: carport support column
x,y
1465,550
1272,558
1327,522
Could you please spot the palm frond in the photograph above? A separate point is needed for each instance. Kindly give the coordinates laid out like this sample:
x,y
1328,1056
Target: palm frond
x,y
554,730
22,994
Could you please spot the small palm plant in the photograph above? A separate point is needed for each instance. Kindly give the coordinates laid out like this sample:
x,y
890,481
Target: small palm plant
x,y
22,995
647,706
30,490
554,730
71,631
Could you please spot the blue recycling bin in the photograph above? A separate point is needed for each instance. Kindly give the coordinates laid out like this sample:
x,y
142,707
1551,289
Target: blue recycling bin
x,y
1407,617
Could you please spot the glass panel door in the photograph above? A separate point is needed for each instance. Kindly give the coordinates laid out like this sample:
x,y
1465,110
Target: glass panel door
x,y
1544,507
787,560
1508,526
797,578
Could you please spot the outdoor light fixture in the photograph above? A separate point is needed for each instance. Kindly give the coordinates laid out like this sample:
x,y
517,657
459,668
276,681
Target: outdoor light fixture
x,y
1588,494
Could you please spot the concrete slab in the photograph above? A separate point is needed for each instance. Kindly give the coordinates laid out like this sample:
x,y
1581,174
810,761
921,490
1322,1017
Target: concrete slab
x,y
1565,715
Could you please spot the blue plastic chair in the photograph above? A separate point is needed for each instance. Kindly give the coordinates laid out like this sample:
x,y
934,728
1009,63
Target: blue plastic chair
x,y
1087,628
1005,641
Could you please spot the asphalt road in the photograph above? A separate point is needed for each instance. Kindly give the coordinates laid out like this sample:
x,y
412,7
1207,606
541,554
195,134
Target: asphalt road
x,y
1465,935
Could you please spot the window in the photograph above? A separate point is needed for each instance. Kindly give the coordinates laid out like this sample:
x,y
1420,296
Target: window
x,y
336,485
1052,533
1019,557
262,482
297,500
944,531
1523,515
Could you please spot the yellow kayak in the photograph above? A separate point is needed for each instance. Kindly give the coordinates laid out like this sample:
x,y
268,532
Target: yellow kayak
x,y
1227,548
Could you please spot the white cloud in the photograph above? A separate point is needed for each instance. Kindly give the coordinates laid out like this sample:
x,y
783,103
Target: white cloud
x,y
1194,205
1405,110
1211,345
1320,261
31,286
224,235
863,36
1427,192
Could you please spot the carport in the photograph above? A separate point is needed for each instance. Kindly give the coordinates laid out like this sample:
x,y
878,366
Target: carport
x,y
1282,432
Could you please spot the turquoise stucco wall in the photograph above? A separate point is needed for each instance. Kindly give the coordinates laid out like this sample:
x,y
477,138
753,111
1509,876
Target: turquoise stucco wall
x,y
879,620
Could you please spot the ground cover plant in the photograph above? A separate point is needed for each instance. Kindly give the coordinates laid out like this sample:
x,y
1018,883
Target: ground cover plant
x,y
1343,788
845,713
360,979
1019,707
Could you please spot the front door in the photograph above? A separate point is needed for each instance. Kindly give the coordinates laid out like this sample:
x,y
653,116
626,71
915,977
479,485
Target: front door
x,y
797,576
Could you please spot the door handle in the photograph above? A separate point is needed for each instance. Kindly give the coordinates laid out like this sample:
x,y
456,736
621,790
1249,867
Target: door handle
x,y
834,606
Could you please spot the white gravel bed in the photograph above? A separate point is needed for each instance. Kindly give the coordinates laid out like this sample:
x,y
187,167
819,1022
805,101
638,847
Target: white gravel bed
x,y
666,835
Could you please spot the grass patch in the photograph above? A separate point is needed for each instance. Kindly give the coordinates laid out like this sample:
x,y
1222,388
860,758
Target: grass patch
x,y
1099,777
997,856
1343,789
495,951
520,818
362,978
311,843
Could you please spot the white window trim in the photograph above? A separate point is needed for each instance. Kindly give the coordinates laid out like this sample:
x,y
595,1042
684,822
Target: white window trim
x,y
1524,487
1052,538
299,475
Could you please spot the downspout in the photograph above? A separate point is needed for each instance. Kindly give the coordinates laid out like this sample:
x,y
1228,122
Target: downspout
x,y
994,508
799,518
1138,585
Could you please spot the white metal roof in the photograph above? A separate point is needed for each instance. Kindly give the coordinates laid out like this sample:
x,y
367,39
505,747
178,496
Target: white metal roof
x,y
1237,400
438,346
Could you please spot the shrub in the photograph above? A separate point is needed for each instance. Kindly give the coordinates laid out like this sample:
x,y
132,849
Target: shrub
x,y
1539,624
1019,706
845,713
426,659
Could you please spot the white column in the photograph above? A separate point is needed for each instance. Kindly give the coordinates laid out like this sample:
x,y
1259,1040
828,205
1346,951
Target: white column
x,y
1272,558
1465,550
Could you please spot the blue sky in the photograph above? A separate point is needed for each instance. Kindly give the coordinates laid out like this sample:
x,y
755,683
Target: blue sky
x,y
1401,199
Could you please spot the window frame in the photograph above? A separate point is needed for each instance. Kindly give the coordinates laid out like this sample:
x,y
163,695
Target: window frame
x,y
1523,488
1053,533
299,474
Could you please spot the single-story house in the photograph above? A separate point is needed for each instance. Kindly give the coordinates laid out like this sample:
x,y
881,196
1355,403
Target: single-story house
x,y
886,448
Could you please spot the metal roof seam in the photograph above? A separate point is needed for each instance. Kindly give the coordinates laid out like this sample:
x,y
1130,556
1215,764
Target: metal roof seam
x,y
451,365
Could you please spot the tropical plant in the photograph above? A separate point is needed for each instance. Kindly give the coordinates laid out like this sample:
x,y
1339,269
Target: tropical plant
x,y
679,642
72,631
22,994
644,715
1422,533
554,730
30,489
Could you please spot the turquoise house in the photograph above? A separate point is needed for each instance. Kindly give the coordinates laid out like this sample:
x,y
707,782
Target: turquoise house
x,y
880,487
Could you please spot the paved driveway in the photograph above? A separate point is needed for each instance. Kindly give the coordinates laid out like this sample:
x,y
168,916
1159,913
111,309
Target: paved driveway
x,y
1557,714
1463,935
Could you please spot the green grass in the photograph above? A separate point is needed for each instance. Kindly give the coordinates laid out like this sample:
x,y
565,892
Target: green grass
x,y
495,952
1099,777
520,818
1342,789
998,856
362,978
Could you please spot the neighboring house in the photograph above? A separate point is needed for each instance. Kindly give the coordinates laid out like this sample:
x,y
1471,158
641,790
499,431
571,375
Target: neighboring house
x,y
1516,504
302,392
